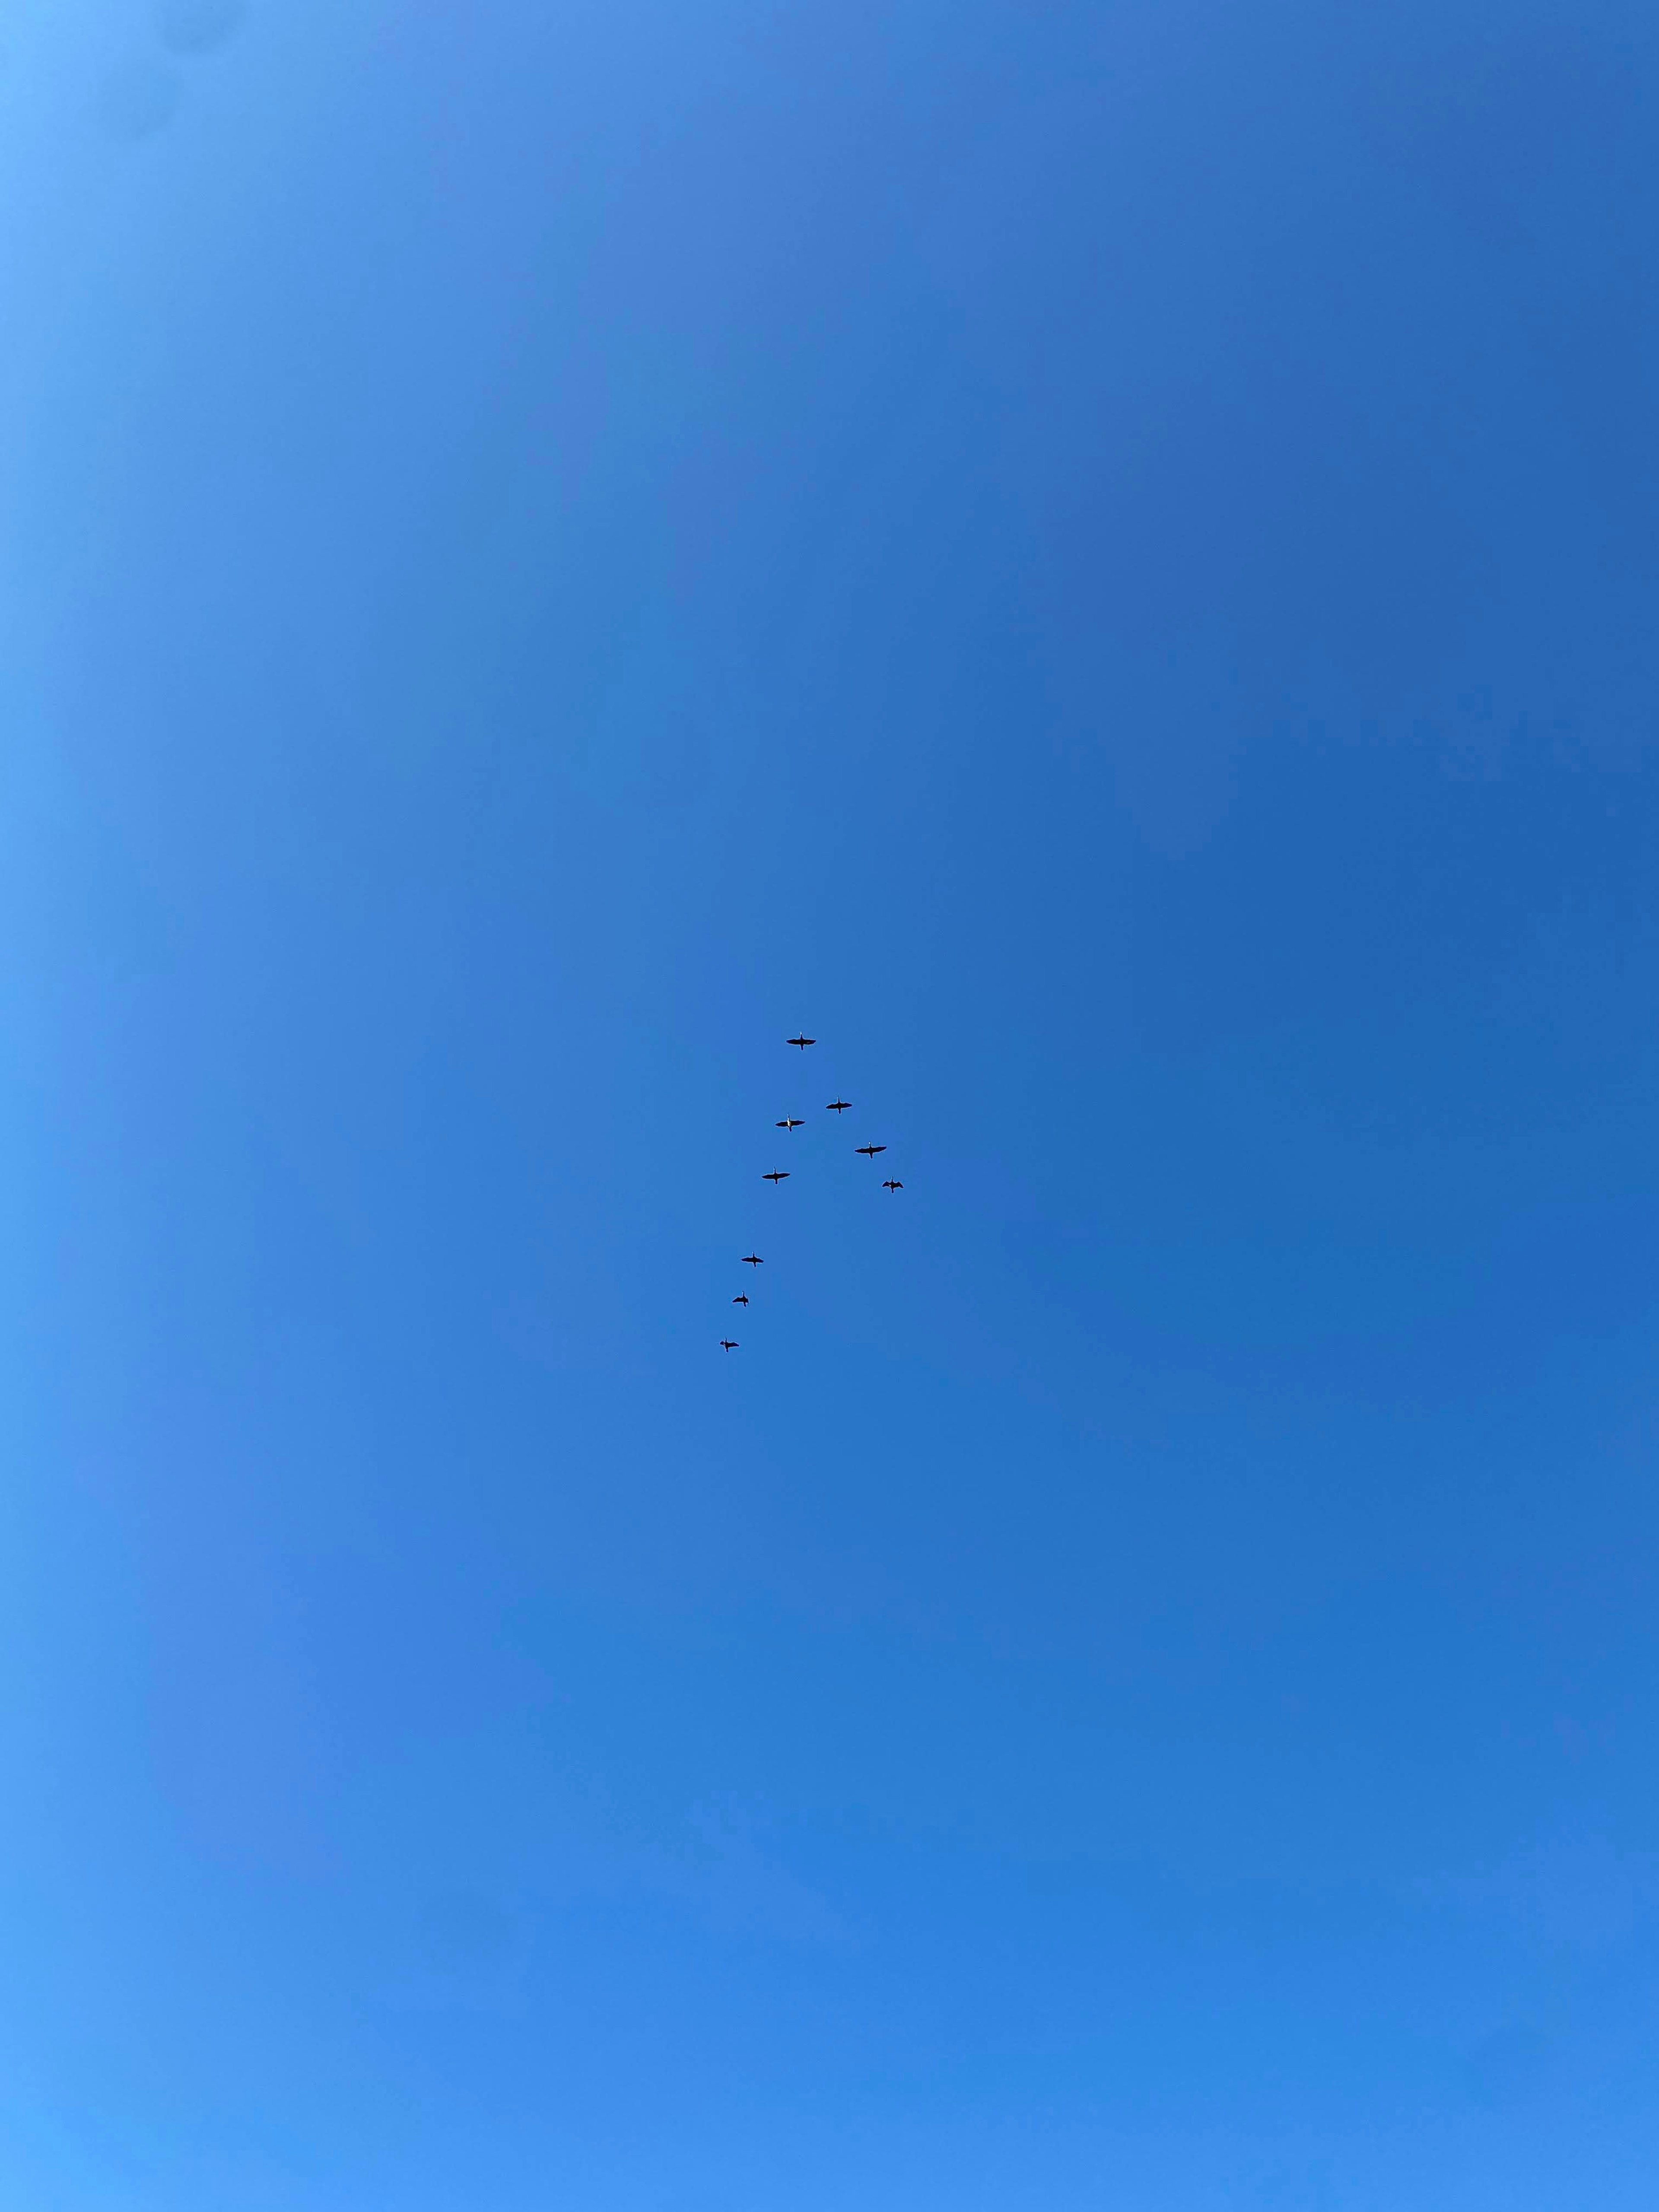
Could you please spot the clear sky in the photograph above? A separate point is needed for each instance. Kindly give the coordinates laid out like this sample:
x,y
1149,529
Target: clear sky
x,y
1102,560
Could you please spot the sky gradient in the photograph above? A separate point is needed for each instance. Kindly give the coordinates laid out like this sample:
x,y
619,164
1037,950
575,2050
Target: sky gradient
x,y
1102,560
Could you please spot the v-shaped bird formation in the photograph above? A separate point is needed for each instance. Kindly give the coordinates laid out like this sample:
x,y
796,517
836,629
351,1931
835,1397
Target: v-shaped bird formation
x,y
778,1176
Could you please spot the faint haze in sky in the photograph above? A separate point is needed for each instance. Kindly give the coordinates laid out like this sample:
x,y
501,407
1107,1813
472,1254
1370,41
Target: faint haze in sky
x,y
1102,560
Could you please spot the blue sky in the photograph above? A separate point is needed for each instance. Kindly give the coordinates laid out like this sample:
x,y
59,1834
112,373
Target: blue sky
x,y
1102,560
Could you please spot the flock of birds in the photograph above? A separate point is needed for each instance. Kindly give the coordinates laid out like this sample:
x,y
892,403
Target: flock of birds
x,y
789,1124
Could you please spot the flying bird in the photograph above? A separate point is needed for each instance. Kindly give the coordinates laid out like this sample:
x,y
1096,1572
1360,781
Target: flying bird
x,y
776,1175
803,1042
728,1344
787,1122
741,1299
892,1184
869,1150
751,1259
838,1105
